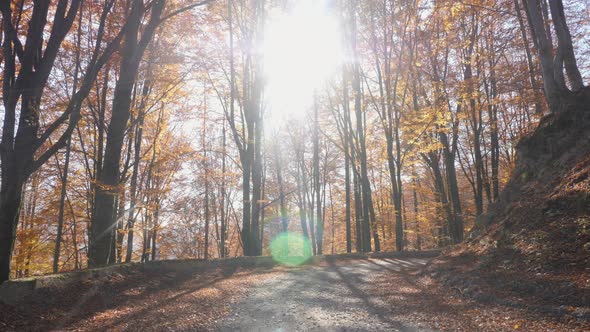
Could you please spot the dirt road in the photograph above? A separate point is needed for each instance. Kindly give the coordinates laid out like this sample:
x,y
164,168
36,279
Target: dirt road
x,y
386,294
321,298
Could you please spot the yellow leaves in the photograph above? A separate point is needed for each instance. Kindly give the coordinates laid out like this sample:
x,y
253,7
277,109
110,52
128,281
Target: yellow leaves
x,y
389,207
430,145
109,189
457,8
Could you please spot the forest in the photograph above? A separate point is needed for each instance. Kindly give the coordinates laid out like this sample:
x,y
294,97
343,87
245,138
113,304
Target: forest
x,y
144,130
149,130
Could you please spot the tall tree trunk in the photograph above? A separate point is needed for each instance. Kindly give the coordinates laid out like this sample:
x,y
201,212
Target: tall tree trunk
x,y
138,137
362,156
301,202
207,217
26,82
223,251
347,154
30,215
119,231
493,120
347,192
368,216
146,237
471,89
62,201
108,183
316,180
440,196
553,86
256,193
64,177
282,205
358,213
416,215
75,239
155,229
456,227
530,63
246,172
256,118
205,166
565,51
308,201
262,207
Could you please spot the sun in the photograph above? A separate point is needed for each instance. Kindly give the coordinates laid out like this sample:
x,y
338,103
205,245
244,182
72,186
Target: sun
x,y
302,51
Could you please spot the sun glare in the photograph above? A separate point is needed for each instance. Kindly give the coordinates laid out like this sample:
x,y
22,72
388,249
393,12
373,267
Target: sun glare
x,y
302,50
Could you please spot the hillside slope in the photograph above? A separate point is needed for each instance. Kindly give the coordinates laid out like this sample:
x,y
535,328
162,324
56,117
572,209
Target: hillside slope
x,y
532,248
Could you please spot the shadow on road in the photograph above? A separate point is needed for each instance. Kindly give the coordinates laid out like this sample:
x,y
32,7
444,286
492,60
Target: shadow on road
x,y
125,302
352,278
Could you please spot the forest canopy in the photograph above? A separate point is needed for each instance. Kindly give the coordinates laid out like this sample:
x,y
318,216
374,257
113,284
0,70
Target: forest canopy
x,y
157,129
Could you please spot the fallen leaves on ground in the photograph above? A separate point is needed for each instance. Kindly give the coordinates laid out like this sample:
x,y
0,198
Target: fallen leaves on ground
x,y
139,301
414,297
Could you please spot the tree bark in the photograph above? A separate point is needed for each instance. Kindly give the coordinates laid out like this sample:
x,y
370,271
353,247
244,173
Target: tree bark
x,y
553,88
18,150
301,201
282,205
107,186
530,63
347,143
416,216
62,201
564,47
316,180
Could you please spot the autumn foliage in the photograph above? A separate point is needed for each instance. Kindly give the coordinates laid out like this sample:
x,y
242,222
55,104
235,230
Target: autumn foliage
x,y
149,137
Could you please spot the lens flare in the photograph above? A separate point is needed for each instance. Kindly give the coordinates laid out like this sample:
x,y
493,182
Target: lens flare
x,y
291,249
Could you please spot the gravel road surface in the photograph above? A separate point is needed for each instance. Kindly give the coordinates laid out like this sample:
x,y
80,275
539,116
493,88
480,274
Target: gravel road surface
x,y
320,298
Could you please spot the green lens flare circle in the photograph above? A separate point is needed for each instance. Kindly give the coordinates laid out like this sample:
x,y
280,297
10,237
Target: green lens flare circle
x,y
291,249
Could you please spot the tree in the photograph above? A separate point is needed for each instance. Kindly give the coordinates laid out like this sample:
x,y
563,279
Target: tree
x,y
125,142
249,138
107,187
137,39
553,63
25,77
